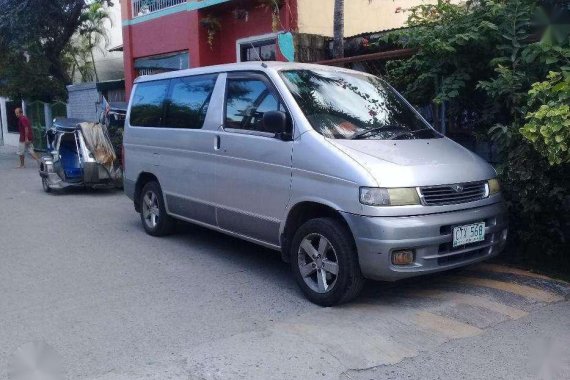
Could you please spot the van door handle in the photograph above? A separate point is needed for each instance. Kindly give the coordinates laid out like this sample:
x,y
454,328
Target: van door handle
x,y
217,143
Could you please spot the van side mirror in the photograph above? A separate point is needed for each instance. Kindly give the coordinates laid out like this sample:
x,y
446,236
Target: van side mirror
x,y
278,123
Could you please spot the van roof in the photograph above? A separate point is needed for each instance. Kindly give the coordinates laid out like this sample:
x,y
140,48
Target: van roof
x,y
240,66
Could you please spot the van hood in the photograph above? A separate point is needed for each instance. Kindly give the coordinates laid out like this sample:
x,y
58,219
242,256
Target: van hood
x,y
410,163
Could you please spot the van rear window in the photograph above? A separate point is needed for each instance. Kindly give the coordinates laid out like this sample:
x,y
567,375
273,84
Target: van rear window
x,y
189,100
147,107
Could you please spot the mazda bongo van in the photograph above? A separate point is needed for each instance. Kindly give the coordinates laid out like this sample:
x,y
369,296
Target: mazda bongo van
x,y
330,167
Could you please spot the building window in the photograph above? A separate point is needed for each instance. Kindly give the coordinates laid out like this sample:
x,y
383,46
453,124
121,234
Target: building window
x,y
162,63
150,71
263,48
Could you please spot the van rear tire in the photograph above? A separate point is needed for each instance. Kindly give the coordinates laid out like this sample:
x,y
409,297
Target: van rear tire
x,y
324,262
154,218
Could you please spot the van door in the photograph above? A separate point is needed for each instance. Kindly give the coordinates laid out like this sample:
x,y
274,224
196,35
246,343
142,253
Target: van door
x,y
187,141
253,166
145,128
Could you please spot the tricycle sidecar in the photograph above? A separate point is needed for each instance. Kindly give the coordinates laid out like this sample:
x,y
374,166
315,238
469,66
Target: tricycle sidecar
x,y
79,154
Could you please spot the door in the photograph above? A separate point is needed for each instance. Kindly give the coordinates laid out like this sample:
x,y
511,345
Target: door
x,y
253,166
143,136
187,140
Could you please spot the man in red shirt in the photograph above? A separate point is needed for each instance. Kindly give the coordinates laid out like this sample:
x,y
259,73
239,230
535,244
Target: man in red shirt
x,y
26,137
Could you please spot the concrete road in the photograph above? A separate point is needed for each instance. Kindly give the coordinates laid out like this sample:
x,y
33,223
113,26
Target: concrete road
x,y
78,273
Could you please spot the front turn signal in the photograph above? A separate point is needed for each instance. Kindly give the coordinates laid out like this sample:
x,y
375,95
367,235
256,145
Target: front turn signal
x,y
494,186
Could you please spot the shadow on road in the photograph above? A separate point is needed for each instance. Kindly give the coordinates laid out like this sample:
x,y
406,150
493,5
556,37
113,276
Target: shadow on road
x,y
100,192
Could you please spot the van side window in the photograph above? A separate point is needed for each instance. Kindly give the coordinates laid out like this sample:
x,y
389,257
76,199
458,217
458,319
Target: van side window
x,y
246,102
148,104
189,100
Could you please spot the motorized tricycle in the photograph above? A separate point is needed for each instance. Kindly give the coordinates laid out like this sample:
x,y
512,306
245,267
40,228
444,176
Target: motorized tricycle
x,y
79,154
114,119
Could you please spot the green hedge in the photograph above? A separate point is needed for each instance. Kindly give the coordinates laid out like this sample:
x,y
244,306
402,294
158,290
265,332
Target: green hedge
x,y
507,66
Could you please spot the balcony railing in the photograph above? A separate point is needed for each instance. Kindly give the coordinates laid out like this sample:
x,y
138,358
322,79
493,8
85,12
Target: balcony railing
x,y
143,7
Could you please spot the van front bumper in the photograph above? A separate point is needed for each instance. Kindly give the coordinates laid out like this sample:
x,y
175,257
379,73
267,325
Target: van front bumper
x,y
430,236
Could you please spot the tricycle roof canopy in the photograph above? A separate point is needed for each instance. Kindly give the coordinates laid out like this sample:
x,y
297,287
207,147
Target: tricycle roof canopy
x,y
67,125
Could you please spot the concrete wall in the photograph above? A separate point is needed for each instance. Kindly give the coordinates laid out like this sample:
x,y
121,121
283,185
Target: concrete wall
x,y
83,100
360,16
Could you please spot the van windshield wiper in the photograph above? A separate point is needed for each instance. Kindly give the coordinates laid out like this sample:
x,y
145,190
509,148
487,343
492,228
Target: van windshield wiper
x,y
377,129
422,130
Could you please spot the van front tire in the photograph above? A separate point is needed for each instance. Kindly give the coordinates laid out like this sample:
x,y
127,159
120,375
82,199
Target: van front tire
x,y
154,218
325,263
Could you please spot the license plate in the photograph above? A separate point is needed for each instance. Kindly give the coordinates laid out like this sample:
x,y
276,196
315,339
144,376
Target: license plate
x,y
469,233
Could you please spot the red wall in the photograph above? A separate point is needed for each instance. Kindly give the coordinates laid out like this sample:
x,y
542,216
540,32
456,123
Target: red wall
x,y
162,35
183,32
258,23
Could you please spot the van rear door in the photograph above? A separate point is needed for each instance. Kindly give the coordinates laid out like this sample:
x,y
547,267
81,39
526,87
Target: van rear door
x,y
187,140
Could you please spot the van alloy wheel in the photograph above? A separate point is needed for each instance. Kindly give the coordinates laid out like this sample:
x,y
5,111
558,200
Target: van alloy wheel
x,y
318,263
325,263
150,209
154,217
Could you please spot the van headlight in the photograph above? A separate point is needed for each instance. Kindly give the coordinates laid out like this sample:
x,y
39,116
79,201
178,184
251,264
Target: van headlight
x,y
391,196
494,186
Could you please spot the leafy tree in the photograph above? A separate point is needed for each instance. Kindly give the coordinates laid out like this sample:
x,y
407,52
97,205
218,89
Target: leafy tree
x,y
34,35
24,75
92,31
77,57
548,120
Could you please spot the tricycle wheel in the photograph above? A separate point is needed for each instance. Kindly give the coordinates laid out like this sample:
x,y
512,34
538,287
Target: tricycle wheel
x,y
45,185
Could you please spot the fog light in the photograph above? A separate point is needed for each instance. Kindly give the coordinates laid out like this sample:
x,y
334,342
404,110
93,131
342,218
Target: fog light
x,y
403,257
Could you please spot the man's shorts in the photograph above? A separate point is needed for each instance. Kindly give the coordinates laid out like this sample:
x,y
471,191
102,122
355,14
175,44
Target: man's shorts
x,y
24,147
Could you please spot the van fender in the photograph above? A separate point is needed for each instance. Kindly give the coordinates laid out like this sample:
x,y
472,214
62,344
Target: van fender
x,y
299,211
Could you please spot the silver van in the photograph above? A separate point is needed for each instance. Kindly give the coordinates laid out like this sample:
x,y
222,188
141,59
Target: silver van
x,y
331,167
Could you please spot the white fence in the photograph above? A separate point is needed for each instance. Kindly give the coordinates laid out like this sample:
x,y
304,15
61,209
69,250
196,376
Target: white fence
x,y
143,7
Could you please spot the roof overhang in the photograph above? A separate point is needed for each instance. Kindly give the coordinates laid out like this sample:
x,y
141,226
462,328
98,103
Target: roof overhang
x,y
111,85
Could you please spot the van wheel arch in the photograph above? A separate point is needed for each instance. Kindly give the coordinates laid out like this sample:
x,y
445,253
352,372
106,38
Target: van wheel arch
x,y
301,213
142,180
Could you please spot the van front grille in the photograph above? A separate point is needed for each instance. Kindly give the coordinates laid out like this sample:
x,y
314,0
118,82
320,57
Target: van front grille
x,y
452,194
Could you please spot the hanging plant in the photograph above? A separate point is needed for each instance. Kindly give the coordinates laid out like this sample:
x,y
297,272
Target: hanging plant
x,y
273,6
213,26
240,14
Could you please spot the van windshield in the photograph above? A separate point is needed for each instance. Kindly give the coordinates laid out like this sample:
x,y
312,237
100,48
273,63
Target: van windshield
x,y
342,105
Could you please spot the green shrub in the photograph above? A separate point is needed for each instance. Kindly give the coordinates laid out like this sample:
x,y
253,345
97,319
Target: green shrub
x,y
483,59
548,124
538,199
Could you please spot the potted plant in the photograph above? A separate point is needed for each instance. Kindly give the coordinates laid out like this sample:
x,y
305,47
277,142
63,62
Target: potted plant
x,y
212,25
273,6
